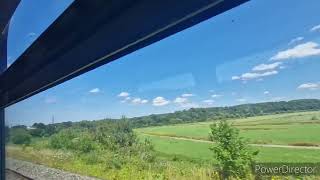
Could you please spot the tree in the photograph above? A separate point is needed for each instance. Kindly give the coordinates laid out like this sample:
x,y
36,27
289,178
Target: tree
x,y
39,125
232,152
50,130
116,134
20,136
63,139
37,132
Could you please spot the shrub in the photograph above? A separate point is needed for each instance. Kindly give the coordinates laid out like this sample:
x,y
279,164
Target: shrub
x,y
84,143
116,135
62,140
20,136
231,151
75,140
36,132
92,157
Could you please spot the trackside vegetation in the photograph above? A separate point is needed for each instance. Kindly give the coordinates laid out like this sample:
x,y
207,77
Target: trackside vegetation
x,y
169,146
231,151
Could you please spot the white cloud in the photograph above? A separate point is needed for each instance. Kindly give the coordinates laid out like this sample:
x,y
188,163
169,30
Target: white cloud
x,y
216,95
180,100
248,76
266,67
309,86
31,34
235,77
254,75
144,101
297,39
50,100
139,101
185,103
160,101
208,101
94,91
241,100
187,95
136,100
282,67
315,28
299,51
126,99
266,92
123,94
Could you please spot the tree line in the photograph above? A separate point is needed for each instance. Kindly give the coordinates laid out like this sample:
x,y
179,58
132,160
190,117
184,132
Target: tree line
x,y
16,133
218,113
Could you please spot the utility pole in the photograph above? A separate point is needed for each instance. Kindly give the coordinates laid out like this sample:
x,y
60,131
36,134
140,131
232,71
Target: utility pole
x,y
52,119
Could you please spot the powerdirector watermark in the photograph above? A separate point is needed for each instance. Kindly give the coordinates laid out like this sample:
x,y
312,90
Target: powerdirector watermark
x,y
285,169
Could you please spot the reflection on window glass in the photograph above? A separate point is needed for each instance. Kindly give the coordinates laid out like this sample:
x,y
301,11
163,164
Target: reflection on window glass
x,y
30,19
149,115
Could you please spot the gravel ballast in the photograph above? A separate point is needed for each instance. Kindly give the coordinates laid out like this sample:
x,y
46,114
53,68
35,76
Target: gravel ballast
x,y
40,172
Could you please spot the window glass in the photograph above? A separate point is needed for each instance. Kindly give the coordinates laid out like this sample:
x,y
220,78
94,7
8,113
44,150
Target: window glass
x,y
30,19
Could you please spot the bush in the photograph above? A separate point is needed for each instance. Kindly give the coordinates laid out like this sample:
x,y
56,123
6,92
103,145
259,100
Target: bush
x,y
37,132
116,135
231,151
69,139
20,136
62,140
84,143
146,151
92,157
314,118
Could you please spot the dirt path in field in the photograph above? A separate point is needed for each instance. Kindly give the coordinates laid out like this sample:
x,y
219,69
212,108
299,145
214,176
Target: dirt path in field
x,y
256,145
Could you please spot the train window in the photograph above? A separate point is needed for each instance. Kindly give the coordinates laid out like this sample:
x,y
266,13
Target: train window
x,y
210,102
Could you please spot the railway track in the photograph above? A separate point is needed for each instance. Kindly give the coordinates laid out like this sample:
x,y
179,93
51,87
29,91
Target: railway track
x,y
23,170
13,175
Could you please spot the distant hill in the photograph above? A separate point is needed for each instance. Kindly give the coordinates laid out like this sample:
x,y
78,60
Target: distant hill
x,y
191,115
216,113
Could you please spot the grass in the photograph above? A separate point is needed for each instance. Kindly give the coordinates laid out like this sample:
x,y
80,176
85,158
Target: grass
x,y
199,152
185,159
286,129
56,159
160,170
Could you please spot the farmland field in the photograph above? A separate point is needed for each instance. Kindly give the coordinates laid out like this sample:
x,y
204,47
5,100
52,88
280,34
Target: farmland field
x,y
182,151
291,129
285,129
199,152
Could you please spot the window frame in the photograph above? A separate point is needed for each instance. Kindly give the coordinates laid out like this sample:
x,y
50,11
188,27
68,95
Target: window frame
x,y
16,87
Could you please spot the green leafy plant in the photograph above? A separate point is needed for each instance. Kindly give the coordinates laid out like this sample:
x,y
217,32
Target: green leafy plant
x,y
20,136
232,152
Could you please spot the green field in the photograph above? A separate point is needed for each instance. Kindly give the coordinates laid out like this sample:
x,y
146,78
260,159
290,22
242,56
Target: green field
x,y
199,152
285,129
181,151
298,129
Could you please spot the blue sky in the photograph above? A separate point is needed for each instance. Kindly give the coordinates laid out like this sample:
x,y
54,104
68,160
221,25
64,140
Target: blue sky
x,y
260,51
